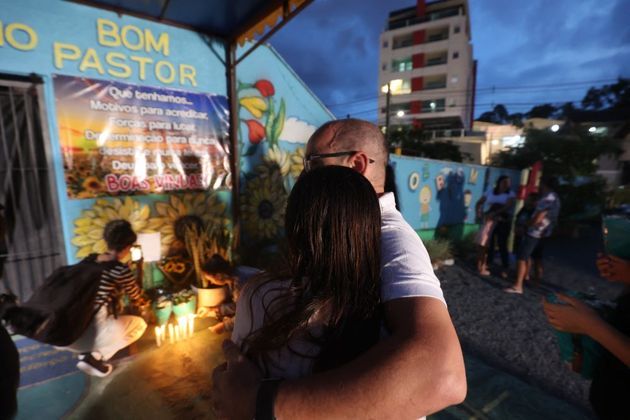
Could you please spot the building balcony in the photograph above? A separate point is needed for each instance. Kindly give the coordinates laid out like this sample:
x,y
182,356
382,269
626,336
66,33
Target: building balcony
x,y
431,17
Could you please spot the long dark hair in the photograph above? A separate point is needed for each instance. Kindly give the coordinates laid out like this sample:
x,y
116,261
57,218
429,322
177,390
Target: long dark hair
x,y
498,184
333,225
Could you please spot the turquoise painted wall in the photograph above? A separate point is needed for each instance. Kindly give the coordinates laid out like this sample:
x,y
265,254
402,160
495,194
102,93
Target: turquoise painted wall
x,y
47,37
433,193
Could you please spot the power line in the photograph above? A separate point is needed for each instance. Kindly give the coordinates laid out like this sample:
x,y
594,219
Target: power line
x,y
498,90
508,104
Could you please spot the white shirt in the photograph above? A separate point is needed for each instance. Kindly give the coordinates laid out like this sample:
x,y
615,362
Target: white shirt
x,y
406,269
492,198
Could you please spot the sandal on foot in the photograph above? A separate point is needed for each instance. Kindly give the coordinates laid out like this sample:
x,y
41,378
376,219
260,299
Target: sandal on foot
x,y
513,290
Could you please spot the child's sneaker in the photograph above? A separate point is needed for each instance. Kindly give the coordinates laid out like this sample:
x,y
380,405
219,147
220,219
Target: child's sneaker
x,y
90,366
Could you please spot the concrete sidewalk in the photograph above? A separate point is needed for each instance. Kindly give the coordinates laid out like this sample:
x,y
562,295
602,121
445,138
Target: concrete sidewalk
x,y
174,382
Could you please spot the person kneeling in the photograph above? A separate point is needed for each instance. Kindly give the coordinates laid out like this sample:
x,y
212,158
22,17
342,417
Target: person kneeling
x,y
109,333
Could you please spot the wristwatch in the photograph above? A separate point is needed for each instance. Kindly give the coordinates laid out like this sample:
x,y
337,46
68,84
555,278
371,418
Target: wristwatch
x,y
265,399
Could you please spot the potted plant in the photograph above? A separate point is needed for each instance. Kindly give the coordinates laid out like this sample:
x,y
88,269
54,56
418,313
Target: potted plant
x,y
184,303
162,308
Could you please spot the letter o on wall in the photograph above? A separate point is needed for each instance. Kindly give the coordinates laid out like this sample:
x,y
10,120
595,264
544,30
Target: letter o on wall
x,y
29,33
170,70
414,181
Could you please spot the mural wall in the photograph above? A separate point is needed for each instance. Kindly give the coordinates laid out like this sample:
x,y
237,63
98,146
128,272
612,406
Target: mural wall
x,y
121,55
434,194
278,114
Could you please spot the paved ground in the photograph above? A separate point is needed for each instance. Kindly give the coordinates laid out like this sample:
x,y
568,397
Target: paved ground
x,y
512,362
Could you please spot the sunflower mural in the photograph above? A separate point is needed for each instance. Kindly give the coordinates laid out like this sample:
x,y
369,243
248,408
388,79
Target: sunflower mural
x,y
159,216
207,207
88,229
263,203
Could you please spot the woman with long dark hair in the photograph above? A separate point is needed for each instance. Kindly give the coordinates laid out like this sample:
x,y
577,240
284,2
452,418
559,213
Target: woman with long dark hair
x,y
324,309
500,201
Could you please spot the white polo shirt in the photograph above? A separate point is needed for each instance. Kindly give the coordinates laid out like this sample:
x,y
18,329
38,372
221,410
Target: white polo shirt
x,y
406,269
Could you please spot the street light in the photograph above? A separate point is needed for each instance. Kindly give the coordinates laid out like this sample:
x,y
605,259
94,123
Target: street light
x,y
400,114
592,129
555,128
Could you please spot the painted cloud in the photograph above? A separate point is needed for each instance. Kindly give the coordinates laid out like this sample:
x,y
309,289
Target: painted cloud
x,y
296,131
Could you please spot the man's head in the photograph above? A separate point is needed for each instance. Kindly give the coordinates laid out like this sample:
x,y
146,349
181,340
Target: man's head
x,y
547,184
359,145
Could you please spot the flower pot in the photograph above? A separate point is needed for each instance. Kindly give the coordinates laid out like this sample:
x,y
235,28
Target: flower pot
x,y
186,308
162,315
211,296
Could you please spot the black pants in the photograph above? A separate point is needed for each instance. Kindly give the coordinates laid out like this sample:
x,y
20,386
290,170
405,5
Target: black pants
x,y
499,237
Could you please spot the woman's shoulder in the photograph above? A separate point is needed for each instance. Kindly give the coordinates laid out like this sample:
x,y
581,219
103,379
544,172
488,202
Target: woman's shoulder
x,y
264,284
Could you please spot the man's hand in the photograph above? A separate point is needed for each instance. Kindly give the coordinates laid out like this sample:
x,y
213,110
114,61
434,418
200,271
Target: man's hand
x,y
573,316
234,385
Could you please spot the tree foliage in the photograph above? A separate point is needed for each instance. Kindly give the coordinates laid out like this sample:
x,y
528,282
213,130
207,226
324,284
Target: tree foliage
x,y
613,96
567,155
414,141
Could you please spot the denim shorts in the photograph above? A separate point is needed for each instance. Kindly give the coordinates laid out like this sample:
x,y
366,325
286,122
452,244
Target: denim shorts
x,y
530,248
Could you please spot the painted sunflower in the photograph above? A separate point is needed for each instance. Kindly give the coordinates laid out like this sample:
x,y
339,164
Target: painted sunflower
x,y
263,203
279,157
88,229
206,206
297,162
93,185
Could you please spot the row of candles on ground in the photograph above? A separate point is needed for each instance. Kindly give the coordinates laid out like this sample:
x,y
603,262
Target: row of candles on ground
x,y
180,330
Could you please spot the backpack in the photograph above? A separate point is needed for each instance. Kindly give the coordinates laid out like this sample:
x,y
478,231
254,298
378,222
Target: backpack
x,y
62,308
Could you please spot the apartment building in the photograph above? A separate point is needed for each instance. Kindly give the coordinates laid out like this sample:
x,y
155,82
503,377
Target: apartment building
x,y
427,61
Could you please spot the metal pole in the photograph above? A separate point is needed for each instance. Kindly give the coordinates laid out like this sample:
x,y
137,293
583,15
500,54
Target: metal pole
x,y
387,100
230,66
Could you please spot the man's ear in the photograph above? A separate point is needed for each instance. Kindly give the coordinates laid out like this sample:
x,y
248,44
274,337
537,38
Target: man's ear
x,y
359,162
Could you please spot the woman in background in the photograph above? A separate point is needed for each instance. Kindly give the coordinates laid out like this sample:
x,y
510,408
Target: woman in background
x,y
501,200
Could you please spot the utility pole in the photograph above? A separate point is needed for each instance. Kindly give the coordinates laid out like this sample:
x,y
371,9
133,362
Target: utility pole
x,y
388,96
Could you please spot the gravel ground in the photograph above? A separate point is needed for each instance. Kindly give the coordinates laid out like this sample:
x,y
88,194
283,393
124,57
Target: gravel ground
x,y
510,331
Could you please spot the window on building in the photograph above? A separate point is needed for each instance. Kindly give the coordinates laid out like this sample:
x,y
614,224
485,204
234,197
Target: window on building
x,y
437,81
455,55
433,105
402,65
456,29
398,86
385,44
437,34
400,110
384,66
402,41
436,58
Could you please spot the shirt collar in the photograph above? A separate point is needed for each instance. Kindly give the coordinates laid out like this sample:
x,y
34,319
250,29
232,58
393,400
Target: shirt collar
x,y
387,202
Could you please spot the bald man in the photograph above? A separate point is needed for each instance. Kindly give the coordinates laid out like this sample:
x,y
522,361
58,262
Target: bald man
x,y
415,371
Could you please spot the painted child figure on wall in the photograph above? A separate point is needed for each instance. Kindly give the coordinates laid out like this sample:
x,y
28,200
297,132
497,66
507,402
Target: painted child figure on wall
x,y
467,208
425,209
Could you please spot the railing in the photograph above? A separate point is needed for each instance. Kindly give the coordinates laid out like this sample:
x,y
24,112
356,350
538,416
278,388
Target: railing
x,y
434,85
437,37
402,44
402,23
30,245
436,61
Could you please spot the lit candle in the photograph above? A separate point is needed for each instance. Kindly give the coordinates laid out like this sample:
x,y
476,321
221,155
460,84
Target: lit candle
x,y
191,325
182,327
171,336
158,339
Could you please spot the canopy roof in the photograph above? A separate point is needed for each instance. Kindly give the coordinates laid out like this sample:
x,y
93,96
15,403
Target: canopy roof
x,y
231,20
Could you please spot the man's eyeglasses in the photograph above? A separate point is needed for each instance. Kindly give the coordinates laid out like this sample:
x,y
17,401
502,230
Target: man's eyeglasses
x,y
307,159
